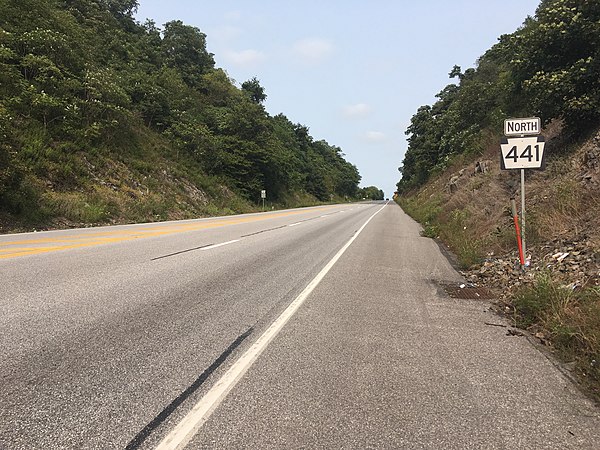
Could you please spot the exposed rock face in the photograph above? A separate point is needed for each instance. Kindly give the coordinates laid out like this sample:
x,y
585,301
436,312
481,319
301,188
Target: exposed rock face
x,y
482,166
591,158
452,185
454,182
589,163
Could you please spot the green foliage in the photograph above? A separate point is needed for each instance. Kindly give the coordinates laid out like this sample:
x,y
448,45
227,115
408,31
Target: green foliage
x,y
549,67
455,229
371,193
184,49
77,208
425,212
556,61
81,80
254,90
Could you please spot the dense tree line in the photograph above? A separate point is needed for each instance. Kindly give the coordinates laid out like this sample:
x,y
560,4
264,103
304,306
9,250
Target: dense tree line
x,y
81,75
371,193
549,67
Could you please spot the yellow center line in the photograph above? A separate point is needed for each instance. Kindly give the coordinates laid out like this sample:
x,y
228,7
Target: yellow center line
x,y
39,250
16,249
98,238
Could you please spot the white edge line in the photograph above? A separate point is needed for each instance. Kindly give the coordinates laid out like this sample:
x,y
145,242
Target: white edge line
x,y
185,430
210,247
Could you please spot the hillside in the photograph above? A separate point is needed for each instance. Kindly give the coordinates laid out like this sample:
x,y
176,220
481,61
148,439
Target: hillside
x,y
452,182
106,120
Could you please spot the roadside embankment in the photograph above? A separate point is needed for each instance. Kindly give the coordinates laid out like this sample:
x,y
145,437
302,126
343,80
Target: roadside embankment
x,y
557,297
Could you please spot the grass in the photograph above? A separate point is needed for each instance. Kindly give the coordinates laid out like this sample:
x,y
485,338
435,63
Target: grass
x,y
59,185
570,320
455,227
78,208
424,212
459,232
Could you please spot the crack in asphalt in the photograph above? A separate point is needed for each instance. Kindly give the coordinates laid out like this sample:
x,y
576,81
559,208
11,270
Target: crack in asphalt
x,y
182,251
263,231
171,407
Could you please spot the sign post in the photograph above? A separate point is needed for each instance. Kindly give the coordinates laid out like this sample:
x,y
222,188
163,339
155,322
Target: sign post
x,y
513,208
524,152
263,195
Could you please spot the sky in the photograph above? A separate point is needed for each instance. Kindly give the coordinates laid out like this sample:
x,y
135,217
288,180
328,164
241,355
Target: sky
x,y
353,71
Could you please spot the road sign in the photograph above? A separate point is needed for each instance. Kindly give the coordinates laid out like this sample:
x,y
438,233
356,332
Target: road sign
x,y
263,194
522,153
522,127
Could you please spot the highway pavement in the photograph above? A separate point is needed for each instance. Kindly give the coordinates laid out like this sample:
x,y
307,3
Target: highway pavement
x,y
318,327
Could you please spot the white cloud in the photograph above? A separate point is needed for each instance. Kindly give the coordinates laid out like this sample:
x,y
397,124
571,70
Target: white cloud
x,y
313,50
374,136
357,111
247,57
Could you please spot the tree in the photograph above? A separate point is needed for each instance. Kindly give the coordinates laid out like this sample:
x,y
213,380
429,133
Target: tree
x,y
84,86
549,67
121,7
184,48
254,90
456,72
556,61
371,193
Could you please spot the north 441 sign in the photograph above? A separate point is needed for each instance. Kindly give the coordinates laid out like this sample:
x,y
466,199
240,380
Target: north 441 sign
x,y
523,153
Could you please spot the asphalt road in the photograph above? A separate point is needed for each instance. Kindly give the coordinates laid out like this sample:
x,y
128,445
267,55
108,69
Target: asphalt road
x,y
117,337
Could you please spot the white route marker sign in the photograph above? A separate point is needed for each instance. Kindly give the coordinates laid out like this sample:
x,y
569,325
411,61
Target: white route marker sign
x,y
523,153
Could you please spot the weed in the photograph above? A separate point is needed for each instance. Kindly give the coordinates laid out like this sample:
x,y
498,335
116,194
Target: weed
x,y
571,320
457,232
76,207
430,231
531,303
454,228
567,197
426,211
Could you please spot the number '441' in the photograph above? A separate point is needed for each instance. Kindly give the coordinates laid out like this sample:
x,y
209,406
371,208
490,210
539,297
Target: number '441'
x,y
527,153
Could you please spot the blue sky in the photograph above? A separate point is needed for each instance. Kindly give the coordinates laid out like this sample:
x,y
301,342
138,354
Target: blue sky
x,y
353,71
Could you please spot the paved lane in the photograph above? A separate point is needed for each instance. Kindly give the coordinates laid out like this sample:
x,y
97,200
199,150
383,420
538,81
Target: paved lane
x,y
98,340
13,246
111,345
379,357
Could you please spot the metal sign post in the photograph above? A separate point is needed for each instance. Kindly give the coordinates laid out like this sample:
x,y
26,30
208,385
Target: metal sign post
x,y
263,195
524,152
